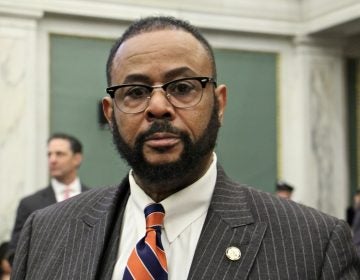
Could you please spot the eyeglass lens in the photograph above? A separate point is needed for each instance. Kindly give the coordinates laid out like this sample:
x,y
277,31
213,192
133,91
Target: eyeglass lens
x,y
182,93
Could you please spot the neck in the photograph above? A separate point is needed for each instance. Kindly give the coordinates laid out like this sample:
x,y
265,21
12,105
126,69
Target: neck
x,y
67,180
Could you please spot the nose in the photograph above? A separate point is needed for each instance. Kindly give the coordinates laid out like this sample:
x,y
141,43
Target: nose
x,y
159,106
51,158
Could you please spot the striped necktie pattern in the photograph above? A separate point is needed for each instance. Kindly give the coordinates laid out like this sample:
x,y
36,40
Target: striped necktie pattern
x,y
148,260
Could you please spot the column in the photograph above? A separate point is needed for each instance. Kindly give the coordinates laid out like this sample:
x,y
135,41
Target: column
x,y
315,154
18,109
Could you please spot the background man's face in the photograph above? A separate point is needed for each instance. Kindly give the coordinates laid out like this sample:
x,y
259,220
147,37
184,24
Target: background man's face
x,y
63,163
284,194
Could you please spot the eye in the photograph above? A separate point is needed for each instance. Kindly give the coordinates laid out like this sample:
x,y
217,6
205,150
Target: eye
x,y
136,92
181,88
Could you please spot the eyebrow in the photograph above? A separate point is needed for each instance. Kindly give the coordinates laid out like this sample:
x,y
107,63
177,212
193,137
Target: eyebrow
x,y
136,78
172,74
183,71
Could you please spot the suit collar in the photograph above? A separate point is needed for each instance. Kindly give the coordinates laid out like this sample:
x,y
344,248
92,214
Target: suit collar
x,y
230,202
105,203
48,194
99,226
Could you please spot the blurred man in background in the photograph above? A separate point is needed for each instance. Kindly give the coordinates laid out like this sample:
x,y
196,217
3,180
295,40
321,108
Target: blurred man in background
x,y
5,268
353,216
351,210
64,159
284,190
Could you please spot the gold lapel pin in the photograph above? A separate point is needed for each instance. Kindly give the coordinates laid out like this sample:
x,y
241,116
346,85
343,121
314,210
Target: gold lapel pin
x,y
233,253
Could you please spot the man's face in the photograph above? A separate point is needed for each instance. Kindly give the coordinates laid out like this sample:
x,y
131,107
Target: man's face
x,y
357,200
164,136
284,194
63,163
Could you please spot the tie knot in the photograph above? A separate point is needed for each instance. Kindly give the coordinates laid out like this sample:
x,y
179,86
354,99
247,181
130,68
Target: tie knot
x,y
154,215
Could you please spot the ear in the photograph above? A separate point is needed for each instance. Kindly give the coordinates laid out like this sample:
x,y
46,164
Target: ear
x,y
221,96
78,159
108,108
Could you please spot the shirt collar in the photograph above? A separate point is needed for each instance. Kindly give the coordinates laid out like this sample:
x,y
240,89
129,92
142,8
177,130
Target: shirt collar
x,y
59,187
183,207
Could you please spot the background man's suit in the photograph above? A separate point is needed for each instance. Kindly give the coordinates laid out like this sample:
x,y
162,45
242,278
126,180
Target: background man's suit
x,y
29,204
356,229
278,239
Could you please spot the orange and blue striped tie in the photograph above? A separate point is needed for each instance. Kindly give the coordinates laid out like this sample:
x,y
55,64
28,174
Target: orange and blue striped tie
x,y
148,260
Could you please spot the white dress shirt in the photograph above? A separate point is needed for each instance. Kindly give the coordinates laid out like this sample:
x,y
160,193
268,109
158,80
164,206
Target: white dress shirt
x,y
185,213
59,188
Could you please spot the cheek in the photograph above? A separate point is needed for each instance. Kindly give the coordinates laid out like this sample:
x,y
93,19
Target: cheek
x,y
198,119
129,128
196,122
68,164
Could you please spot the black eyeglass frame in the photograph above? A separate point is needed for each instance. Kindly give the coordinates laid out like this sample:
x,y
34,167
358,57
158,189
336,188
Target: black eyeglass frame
x,y
203,81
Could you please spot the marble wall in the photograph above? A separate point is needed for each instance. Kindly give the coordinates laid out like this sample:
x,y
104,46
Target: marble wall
x,y
17,115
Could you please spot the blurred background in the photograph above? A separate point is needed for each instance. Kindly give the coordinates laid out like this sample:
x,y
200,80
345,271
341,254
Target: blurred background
x,y
291,67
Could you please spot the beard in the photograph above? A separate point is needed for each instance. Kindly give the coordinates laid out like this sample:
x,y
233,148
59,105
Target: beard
x,y
192,155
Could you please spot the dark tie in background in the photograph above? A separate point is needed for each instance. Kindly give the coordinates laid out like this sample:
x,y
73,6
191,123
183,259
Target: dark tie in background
x,y
148,260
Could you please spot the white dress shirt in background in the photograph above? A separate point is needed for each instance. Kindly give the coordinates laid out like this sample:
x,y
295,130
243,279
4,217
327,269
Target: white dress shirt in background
x,y
60,189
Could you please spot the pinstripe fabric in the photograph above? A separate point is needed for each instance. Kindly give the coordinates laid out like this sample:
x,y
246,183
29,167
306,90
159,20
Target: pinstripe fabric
x,y
278,239
62,242
29,204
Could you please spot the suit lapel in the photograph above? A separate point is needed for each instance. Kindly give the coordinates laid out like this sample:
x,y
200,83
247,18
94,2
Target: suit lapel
x,y
91,237
84,188
109,256
229,223
49,195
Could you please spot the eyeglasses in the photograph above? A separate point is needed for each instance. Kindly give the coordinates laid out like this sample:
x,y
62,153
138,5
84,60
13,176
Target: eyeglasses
x,y
181,93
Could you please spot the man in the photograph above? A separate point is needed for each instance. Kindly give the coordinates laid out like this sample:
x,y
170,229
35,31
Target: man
x,y
355,220
284,190
352,209
64,159
5,268
165,110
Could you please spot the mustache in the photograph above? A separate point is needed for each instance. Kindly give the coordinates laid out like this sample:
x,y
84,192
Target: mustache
x,y
159,126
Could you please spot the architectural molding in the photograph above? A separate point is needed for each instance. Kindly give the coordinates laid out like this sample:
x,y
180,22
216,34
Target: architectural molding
x,y
275,17
21,9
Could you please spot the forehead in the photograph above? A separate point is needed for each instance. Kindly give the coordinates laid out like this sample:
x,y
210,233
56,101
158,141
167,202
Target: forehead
x,y
157,52
59,144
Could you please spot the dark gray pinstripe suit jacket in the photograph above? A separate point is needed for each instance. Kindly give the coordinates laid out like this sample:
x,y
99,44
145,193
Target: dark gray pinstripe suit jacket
x,y
29,204
279,239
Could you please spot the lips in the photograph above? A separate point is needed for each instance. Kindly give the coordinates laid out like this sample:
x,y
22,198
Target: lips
x,y
162,140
